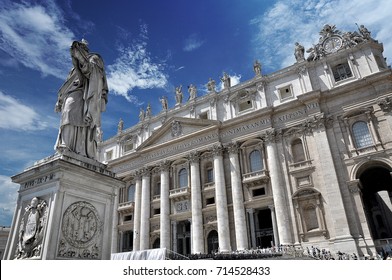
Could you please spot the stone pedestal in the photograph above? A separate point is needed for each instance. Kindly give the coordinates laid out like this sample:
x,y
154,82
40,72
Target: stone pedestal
x,y
66,209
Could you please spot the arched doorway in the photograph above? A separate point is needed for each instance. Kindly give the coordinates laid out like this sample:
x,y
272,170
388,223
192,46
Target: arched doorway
x,y
212,241
376,185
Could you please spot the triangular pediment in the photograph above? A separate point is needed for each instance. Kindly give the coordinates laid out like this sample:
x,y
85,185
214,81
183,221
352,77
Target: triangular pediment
x,y
177,129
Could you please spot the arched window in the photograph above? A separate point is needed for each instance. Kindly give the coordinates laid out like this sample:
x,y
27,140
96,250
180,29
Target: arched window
x,y
131,193
298,150
256,164
362,135
183,178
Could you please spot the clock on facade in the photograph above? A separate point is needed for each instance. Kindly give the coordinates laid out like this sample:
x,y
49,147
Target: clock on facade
x,y
332,44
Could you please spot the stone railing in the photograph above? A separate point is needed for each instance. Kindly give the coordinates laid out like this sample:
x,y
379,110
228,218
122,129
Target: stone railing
x,y
261,175
184,191
126,206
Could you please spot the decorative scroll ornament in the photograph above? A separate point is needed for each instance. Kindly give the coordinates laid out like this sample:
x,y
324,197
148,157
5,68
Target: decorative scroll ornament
x,y
31,230
272,136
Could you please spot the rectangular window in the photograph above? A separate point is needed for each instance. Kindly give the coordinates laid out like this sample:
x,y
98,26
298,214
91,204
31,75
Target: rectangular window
x,y
203,116
210,175
245,105
258,192
128,218
210,200
128,147
285,92
109,155
341,72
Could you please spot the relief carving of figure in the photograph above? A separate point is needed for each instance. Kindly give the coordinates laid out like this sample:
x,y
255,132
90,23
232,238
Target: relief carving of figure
x,y
81,99
31,229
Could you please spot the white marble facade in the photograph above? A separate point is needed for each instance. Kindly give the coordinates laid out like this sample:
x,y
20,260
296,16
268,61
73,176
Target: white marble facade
x,y
301,156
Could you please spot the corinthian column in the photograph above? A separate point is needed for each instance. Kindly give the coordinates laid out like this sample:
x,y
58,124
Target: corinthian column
x,y
136,220
165,205
278,189
238,199
197,218
145,211
221,200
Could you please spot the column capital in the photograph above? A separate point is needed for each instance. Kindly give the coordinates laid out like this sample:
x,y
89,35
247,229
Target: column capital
x,y
145,171
272,136
194,156
250,210
138,175
271,207
164,165
232,148
217,150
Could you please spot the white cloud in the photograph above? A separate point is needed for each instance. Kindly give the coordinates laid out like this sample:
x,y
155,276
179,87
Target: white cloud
x,y
16,116
35,35
192,43
8,197
290,21
134,68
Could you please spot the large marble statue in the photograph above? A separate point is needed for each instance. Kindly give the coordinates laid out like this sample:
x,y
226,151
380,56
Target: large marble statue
x,y
81,99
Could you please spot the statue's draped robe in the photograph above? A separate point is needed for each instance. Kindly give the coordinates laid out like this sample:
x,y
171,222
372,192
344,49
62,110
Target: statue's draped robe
x,y
75,134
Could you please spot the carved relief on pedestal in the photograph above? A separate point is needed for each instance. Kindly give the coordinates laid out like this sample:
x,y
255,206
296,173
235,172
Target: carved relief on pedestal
x,y
31,230
81,232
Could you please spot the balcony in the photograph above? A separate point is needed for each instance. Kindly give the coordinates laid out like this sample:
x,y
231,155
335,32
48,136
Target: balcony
x,y
301,166
209,186
126,207
180,193
255,178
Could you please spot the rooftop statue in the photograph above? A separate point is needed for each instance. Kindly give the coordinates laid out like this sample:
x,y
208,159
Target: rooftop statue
x,y
211,85
257,67
192,91
81,99
179,95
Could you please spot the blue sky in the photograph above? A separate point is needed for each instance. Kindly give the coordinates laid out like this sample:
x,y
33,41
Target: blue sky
x,y
149,47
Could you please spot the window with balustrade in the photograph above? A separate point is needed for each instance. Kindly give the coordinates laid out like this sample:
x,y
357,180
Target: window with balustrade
x,y
183,178
131,193
256,161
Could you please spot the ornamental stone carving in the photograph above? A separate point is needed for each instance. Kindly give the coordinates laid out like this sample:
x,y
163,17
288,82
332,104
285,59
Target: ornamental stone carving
x,y
176,129
272,136
217,150
194,156
81,232
232,148
385,104
164,166
31,230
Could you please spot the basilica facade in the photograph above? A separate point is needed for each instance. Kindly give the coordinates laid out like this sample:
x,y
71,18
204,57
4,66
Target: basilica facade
x,y
301,156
